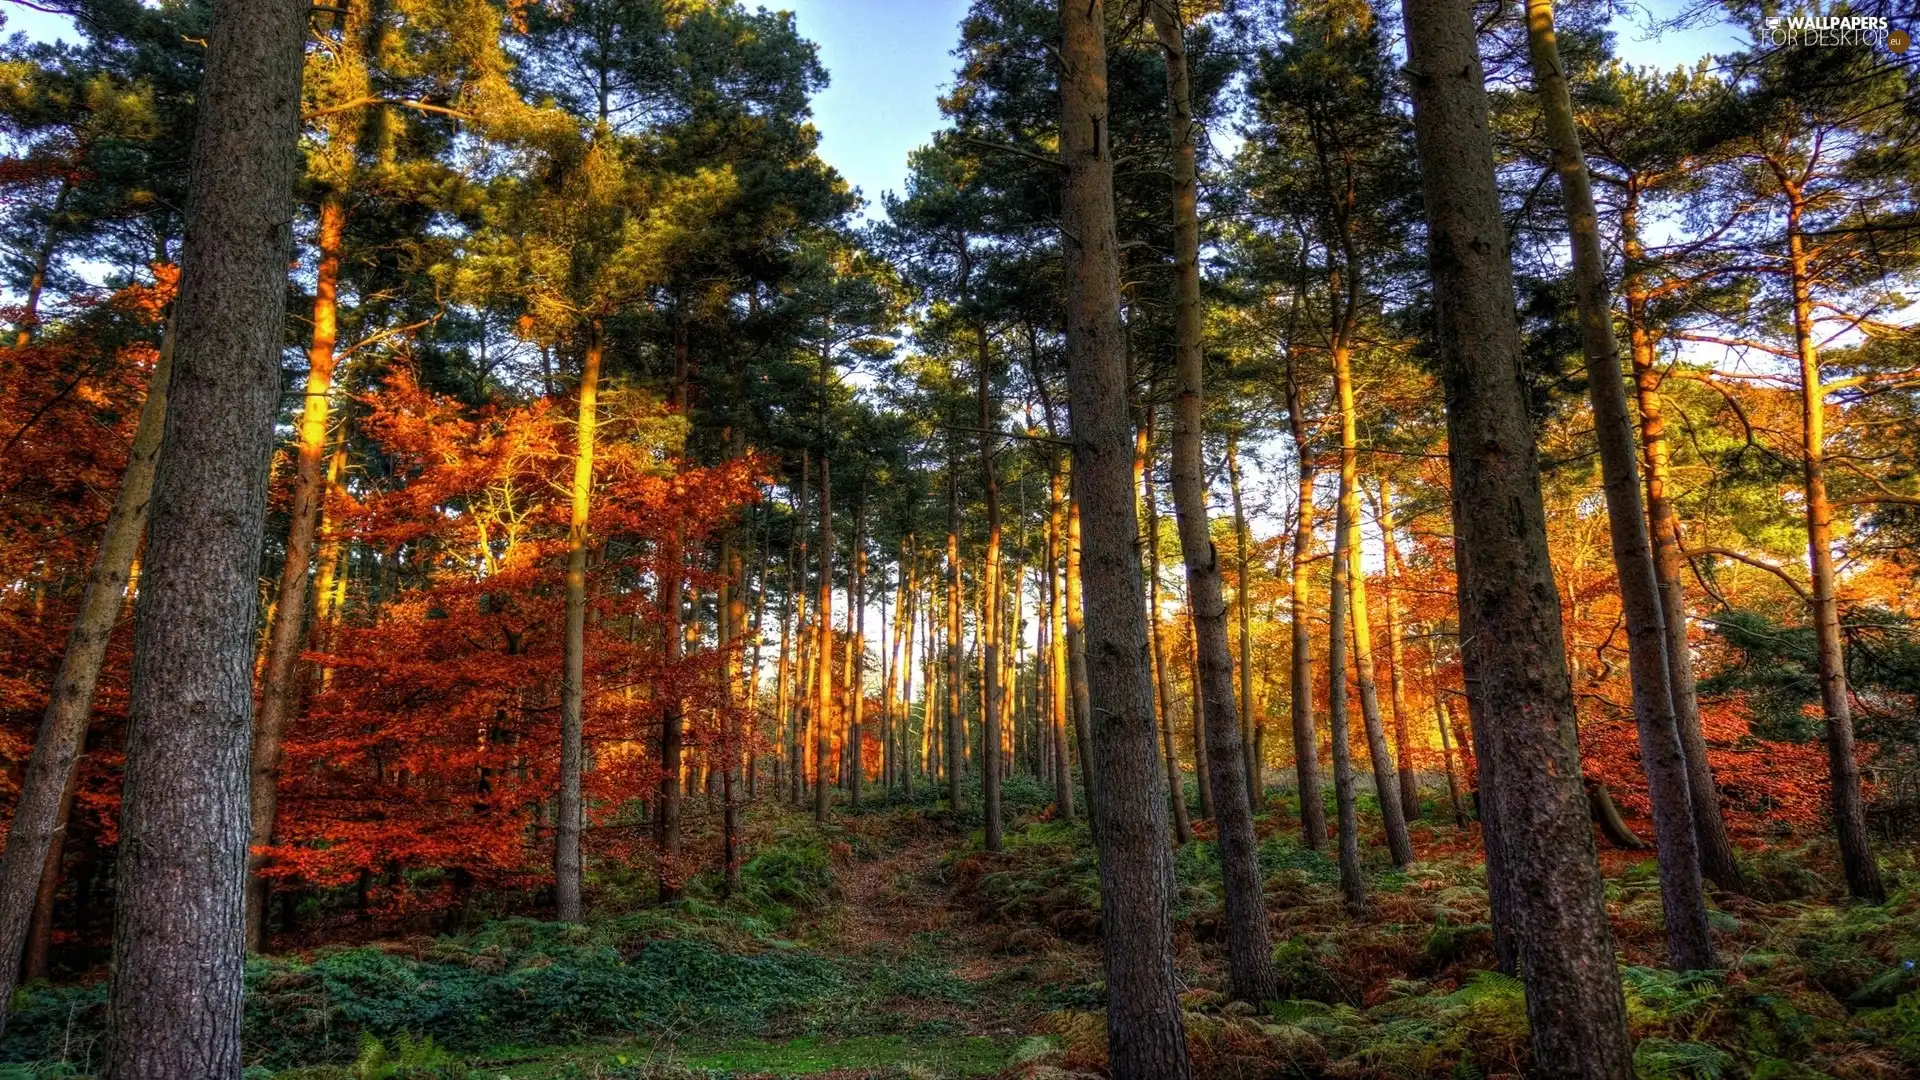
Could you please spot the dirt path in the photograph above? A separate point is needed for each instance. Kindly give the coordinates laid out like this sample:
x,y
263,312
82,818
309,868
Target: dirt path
x,y
897,896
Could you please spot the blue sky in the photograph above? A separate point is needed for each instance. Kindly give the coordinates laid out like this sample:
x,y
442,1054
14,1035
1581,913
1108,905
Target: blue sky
x,y
890,60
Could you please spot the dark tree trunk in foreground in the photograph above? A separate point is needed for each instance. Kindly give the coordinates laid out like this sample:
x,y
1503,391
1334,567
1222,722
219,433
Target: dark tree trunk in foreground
x,y
179,951
1146,1038
46,791
1689,945
1249,953
1514,650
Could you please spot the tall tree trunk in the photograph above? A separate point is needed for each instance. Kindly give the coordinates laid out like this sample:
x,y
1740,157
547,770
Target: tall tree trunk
x,y
992,689
955,751
1146,1038
566,855
1306,742
330,561
1163,699
1249,953
671,576
857,678
1689,944
1252,730
1396,658
1515,654
823,688
1353,884
1059,699
1441,716
175,1004
40,814
1392,818
1081,696
287,632
797,583
1709,824
1843,769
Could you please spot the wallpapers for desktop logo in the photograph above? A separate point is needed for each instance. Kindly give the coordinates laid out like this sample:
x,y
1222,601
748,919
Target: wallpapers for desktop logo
x,y
1873,31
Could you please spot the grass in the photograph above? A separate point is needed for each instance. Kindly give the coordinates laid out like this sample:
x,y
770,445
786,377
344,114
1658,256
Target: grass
x,y
875,1056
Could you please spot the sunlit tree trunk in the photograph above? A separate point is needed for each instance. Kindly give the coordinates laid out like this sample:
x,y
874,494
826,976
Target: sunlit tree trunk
x,y
823,655
1253,731
174,1007
1843,768
1080,696
1306,741
1058,679
40,813
286,634
1441,717
955,750
1689,944
1709,824
329,561
1396,658
1353,885
1146,1037
1514,649
1347,549
566,858
1163,698
856,676
797,585
992,688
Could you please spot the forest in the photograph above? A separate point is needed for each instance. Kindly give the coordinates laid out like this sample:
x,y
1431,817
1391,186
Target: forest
x,y
1309,539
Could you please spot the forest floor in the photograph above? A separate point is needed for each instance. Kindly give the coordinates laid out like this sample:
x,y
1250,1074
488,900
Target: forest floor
x,y
889,945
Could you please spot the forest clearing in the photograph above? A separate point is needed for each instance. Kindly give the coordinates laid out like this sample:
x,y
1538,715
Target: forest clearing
x,y
1291,538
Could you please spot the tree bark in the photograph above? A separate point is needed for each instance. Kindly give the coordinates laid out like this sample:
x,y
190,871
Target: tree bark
x,y
1163,704
1252,730
1249,953
1348,549
1353,884
1396,658
991,688
286,635
1514,650
1709,824
1082,697
1689,943
175,1003
1306,742
823,654
1059,700
566,854
1843,769
1441,716
857,677
1146,1037
40,814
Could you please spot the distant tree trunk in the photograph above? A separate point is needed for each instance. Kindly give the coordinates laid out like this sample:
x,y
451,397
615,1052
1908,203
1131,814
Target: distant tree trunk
x,y
566,858
1440,718
1396,658
43,264
1249,953
330,563
1163,700
1082,698
1146,1038
1253,731
40,814
671,578
1514,651
1353,884
955,751
1689,943
1709,824
1843,769
1348,549
797,585
1058,680
174,1008
991,688
857,678
1306,742
823,688
286,634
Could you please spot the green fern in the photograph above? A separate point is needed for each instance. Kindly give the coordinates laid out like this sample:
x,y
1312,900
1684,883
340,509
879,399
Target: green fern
x,y
1665,1059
